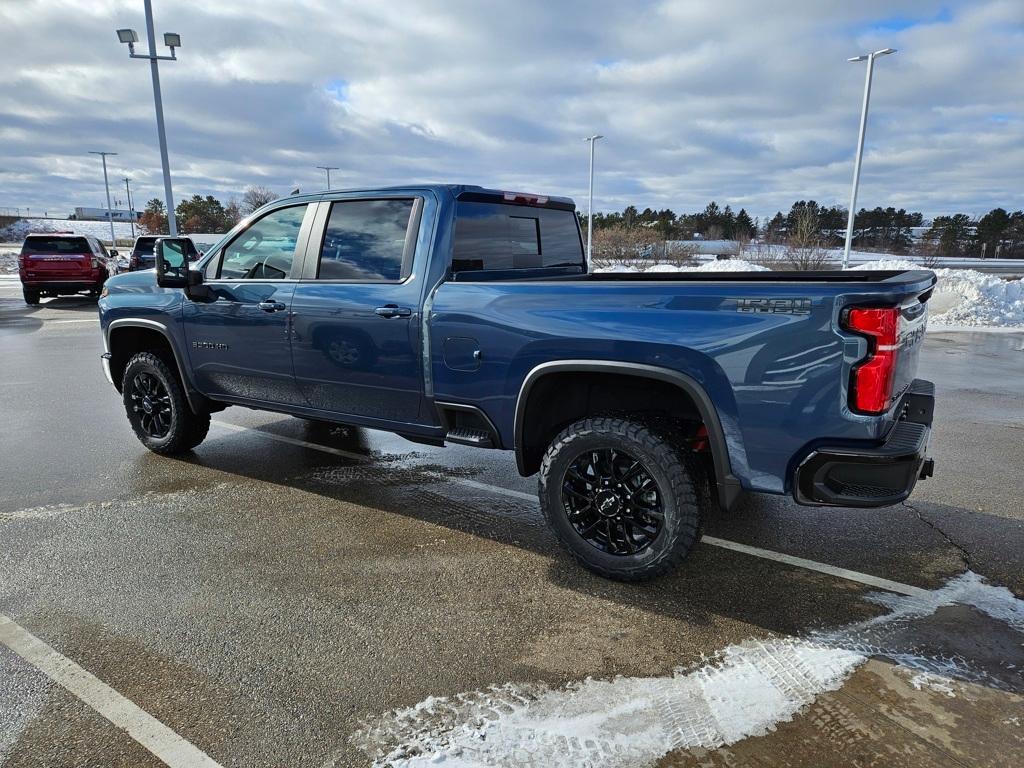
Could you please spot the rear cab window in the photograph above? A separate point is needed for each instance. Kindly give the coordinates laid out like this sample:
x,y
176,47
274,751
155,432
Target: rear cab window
x,y
500,237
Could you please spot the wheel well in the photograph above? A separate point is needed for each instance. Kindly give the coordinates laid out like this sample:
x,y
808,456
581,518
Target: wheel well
x,y
560,398
128,341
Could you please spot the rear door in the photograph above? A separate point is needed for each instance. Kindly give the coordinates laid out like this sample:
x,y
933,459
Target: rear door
x,y
238,336
58,258
356,326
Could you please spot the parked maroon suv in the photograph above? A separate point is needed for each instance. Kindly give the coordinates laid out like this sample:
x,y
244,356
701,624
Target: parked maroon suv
x,y
59,264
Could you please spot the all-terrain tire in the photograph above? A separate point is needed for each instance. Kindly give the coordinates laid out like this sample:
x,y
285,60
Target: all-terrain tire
x,y
31,297
184,428
677,479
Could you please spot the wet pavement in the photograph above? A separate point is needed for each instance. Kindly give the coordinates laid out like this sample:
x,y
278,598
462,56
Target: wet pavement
x,y
264,598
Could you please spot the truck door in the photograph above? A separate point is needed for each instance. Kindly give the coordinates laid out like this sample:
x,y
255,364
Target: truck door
x,y
356,312
238,335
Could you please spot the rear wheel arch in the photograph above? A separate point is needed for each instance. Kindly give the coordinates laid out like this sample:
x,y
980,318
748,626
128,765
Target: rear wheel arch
x,y
534,427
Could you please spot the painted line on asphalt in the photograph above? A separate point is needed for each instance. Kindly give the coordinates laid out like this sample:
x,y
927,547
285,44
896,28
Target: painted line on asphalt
x,y
62,322
767,554
164,743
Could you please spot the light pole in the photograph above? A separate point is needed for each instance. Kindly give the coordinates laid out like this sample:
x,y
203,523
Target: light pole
x,y
870,59
110,216
131,210
590,202
172,40
328,168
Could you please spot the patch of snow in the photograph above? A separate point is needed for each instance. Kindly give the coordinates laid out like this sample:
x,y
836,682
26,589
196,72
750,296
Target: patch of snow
x,y
17,231
715,265
745,691
966,297
926,680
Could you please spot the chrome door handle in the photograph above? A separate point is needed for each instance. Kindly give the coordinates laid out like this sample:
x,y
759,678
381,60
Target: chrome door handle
x,y
393,310
272,306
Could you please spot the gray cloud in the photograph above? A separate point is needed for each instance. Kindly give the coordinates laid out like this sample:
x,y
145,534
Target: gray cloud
x,y
743,102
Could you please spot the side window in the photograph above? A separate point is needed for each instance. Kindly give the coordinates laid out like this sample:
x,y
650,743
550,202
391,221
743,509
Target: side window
x,y
266,250
368,240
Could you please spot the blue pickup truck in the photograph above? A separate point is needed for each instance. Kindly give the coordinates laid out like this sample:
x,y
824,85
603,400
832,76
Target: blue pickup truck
x,y
458,314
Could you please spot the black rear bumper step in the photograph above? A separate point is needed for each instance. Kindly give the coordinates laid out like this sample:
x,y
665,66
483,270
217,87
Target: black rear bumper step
x,y
875,476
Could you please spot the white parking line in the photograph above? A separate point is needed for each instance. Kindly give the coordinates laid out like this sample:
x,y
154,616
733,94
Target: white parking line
x,y
81,320
168,746
780,557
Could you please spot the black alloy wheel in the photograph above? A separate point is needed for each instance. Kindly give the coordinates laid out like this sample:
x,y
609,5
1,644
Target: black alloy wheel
x,y
152,403
612,501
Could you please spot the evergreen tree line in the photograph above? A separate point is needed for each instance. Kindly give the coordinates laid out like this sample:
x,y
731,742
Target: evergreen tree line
x,y
996,234
204,214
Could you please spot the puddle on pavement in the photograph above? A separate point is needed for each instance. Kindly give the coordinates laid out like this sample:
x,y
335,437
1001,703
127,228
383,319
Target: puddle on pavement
x,y
953,647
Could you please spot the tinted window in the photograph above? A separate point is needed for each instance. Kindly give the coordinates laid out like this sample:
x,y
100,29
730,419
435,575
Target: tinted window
x,y
56,245
366,240
266,250
495,236
144,246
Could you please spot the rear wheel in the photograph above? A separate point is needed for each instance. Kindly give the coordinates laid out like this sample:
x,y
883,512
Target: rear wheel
x,y
157,408
620,497
31,297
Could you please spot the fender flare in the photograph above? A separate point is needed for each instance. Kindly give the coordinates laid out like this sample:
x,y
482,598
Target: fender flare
x,y
728,484
196,400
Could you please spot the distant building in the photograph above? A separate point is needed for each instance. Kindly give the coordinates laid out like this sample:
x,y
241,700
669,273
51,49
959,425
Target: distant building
x,y
100,214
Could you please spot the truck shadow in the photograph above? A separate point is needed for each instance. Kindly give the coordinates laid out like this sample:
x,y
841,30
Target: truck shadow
x,y
711,586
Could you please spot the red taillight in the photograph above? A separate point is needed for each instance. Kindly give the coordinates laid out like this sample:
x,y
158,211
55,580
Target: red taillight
x,y
872,379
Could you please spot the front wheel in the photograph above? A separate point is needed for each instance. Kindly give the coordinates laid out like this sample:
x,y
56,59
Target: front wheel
x,y
620,497
157,409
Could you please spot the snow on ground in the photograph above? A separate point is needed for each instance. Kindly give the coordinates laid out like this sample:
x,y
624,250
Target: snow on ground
x,y
745,691
965,297
15,233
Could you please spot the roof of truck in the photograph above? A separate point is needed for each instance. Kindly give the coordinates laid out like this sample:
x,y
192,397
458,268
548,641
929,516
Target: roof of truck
x,y
452,189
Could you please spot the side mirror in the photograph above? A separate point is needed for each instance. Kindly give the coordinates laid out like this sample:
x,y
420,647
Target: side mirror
x,y
171,262
113,253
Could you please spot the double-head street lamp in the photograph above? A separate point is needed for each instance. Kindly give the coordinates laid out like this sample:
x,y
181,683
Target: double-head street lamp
x,y
110,215
172,40
590,203
328,168
870,59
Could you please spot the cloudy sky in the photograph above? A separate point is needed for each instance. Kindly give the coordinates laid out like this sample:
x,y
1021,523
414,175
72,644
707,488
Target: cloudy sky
x,y
749,103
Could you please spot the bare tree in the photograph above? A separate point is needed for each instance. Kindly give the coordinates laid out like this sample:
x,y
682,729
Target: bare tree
x,y
803,249
256,197
637,247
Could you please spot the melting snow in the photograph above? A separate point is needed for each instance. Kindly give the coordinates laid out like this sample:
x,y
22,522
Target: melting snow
x,y
746,691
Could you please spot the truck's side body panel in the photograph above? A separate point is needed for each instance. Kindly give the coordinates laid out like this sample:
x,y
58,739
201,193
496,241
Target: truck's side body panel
x,y
778,379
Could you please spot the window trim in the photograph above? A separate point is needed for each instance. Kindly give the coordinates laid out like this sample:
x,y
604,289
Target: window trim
x,y
408,248
217,259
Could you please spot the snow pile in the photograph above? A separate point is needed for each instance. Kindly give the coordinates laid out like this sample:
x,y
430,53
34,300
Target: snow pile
x,y
746,691
717,265
16,232
966,297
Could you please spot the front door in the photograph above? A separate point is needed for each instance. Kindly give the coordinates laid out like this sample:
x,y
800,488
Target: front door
x,y
356,324
238,334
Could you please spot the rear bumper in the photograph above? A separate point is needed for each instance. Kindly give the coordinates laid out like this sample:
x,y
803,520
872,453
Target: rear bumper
x,y
84,284
873,476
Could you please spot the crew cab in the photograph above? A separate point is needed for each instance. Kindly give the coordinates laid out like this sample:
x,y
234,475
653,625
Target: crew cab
x,y
458,314
58,264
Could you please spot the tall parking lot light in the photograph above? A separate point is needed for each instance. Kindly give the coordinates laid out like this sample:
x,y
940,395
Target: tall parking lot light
x,y
870,59
110,215
328,168
590,202
131,210
172,40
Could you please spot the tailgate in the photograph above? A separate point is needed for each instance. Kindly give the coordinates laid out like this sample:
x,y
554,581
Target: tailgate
x,y
58,265
912,323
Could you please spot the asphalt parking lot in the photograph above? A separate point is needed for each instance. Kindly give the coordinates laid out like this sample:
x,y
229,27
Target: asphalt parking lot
x,y
271,599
